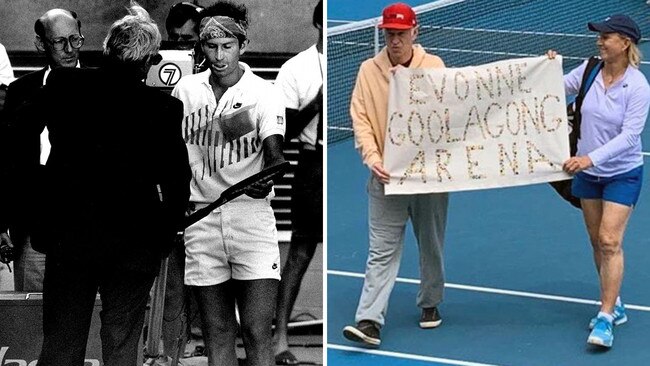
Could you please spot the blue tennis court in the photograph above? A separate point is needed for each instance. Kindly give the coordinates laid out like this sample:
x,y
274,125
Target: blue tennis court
x,y
521,284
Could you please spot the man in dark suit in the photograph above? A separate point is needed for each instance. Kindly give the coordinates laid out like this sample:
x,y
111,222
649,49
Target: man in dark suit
x,y
114,193
58,36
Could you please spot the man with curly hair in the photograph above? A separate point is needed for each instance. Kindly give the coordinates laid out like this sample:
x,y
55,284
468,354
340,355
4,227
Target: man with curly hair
x,y
233,128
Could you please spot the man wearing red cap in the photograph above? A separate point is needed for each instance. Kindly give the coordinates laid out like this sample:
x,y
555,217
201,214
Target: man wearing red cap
x,y
388,215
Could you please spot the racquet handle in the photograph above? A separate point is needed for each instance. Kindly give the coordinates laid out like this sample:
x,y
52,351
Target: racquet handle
x,y
268,174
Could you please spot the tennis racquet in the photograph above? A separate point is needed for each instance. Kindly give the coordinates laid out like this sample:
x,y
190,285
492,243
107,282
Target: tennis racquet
x,y
268,174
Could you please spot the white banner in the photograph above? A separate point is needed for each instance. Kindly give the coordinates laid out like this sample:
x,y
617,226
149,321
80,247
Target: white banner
x,y
496,125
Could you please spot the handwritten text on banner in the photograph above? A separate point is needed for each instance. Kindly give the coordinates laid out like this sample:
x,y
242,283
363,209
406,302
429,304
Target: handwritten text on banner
x,y
495,125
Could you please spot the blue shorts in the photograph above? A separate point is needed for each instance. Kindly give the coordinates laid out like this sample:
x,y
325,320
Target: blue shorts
x,y
621,188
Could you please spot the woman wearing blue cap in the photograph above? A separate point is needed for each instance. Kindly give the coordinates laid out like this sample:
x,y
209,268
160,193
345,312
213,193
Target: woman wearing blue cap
x,y
608,166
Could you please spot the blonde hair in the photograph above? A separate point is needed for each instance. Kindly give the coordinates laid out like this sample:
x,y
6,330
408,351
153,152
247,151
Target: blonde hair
x,y
134,37
634,55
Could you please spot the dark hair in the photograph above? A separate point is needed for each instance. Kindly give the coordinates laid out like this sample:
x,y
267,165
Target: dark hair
x,y
317,21
39,27
180,13
229,9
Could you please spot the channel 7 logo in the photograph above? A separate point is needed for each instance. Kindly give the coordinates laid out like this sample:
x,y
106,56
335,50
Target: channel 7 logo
x,y
169,74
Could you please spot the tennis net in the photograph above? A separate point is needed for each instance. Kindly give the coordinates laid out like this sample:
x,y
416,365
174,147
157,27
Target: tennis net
x,y
473,32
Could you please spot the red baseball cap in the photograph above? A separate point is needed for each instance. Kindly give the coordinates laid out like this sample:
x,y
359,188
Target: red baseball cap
x,y
398,16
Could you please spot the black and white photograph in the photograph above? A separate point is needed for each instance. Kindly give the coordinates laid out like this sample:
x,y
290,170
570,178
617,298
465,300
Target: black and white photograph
x,y
161,182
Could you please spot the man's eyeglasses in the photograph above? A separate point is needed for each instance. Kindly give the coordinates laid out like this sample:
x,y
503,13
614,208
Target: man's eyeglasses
x,y
75,41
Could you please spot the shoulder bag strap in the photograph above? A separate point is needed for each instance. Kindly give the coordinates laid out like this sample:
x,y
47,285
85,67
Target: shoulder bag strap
x,y
593,67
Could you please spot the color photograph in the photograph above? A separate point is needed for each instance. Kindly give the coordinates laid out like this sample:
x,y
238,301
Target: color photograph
x,y
486,197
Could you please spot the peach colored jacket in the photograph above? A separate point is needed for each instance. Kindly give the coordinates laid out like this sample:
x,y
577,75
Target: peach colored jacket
x,y
369,105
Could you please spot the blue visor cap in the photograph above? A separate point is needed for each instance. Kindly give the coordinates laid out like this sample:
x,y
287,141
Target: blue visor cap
x,y
618,23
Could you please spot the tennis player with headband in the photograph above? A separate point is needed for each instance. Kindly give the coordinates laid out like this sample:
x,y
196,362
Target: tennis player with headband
x,y
233,127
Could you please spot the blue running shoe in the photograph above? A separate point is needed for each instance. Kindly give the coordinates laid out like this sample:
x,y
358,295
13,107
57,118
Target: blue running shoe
x,y
619,316
602,334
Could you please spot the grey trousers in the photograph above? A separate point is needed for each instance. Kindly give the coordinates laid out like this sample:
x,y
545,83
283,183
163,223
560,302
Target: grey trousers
x,y
387,218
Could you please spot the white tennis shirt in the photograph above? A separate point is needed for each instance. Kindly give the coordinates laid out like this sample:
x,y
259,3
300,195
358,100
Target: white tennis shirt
x,y
224,139
299,80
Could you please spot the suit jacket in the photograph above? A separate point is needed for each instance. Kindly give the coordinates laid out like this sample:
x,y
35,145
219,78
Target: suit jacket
x,y
15,185
116,184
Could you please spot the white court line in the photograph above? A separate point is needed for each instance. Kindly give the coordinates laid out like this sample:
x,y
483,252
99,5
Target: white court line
x,y
406,356
492,290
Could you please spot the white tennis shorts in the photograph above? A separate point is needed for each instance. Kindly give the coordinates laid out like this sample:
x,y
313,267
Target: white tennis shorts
x,y
238,240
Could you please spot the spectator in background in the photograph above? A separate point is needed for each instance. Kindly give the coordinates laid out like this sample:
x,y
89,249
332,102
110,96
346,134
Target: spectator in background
x,y
6,74
58,36
182,26
6,77
108,210
183,21
301,82
233,257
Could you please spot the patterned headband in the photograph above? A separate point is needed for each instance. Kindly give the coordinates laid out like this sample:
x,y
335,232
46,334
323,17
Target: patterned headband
x,y
220,27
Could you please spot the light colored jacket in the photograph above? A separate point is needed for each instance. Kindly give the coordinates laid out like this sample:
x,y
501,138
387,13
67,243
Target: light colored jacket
x,y
369,105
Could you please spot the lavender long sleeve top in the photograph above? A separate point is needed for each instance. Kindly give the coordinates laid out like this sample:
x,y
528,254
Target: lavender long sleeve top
x,y
612,120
